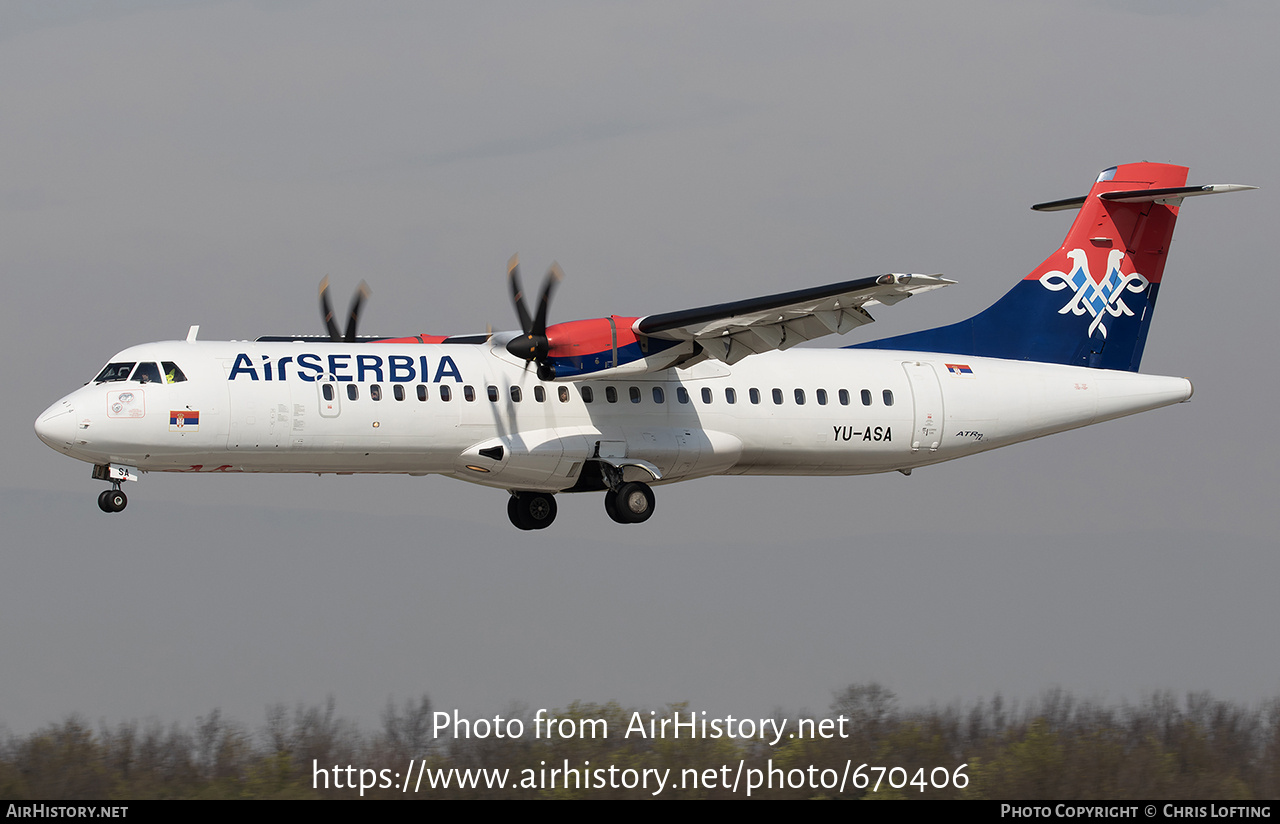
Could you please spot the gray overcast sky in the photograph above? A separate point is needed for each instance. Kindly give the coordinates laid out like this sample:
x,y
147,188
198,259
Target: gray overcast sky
x,y
173,164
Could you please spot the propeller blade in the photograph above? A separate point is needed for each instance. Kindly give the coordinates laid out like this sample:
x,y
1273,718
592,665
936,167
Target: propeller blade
x,y
517,294
326,311
362,292
533,345
554,276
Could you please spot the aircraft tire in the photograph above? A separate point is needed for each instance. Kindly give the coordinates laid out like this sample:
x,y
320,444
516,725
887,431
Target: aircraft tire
x,y
533,510
513,513
634,502
102,500
116,500
611,507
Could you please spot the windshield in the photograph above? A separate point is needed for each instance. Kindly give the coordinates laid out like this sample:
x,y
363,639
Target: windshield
x,y
115,372
147,372
172,374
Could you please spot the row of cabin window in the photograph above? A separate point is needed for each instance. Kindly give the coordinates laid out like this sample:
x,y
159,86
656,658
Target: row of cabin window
x,y
731,395
446,392
610,394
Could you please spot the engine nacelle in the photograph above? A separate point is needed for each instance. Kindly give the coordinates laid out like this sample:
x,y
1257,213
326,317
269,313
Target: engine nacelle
x,y
606,347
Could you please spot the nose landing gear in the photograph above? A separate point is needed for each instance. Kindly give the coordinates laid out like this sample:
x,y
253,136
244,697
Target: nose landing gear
x,y
113,500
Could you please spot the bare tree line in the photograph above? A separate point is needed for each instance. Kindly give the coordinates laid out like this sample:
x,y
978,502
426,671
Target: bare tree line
x,y
1054,747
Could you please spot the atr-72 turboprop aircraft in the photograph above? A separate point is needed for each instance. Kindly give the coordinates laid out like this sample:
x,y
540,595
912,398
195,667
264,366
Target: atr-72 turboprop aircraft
x,y
620,404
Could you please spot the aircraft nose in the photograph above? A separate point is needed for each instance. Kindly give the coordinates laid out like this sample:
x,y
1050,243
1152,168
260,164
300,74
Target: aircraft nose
x,y
56,426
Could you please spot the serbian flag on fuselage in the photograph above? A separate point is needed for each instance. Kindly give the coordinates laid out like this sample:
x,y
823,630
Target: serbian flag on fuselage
x,y
184,420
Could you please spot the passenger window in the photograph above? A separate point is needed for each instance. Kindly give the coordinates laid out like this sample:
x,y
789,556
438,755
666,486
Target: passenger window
x,y
754,394
682,394
866,397
611,394
658,395
634,394
115,372
888,397
777,396
375,392
446,394
469,393
706,394
327,391
172,374
353,391
730,395
515,394
493,394
147,372
422,392
563,392
822,397
398,391
799,397
539,394
844,397
588,396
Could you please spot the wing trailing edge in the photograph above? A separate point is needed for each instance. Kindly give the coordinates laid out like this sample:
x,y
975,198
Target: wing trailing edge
x,y
729,332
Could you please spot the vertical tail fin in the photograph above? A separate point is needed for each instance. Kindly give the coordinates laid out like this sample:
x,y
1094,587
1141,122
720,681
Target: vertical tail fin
x,y
1091,302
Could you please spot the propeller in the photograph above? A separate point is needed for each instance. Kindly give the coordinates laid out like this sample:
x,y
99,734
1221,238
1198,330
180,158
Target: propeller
x,y
326,309
533,344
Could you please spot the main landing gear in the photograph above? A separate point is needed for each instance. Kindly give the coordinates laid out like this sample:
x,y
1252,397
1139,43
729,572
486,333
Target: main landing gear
x,y
630,503
531,510
113,500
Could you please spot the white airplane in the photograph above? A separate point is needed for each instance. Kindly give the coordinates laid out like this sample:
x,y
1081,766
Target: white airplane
x,y
621,404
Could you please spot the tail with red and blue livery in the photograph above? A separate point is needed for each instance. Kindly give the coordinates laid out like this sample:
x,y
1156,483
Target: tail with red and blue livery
x,y
1091,302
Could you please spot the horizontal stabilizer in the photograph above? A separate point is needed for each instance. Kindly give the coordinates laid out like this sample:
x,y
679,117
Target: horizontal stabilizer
x,y
1170,196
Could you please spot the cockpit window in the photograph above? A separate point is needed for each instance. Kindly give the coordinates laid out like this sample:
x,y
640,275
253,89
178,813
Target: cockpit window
x,y
172,374
115,372
147,372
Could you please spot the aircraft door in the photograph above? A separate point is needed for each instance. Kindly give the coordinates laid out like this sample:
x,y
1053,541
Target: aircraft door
x,y
926,394
330,403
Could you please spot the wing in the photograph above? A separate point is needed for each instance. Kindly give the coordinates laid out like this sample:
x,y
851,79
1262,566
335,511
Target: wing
x,y
730,332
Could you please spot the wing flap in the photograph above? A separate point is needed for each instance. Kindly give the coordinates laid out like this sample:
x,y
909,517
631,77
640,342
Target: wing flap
x,y
730,332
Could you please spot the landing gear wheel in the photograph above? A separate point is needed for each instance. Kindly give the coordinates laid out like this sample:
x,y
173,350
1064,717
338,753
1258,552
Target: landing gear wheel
x,y
611,507
112,500
532,510
632,503
513,513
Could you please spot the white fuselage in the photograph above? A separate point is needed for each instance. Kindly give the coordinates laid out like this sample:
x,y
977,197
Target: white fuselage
x,y
349,408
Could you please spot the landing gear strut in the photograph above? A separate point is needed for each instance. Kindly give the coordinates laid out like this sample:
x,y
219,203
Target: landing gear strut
x,y
531,510
112,500
630,503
